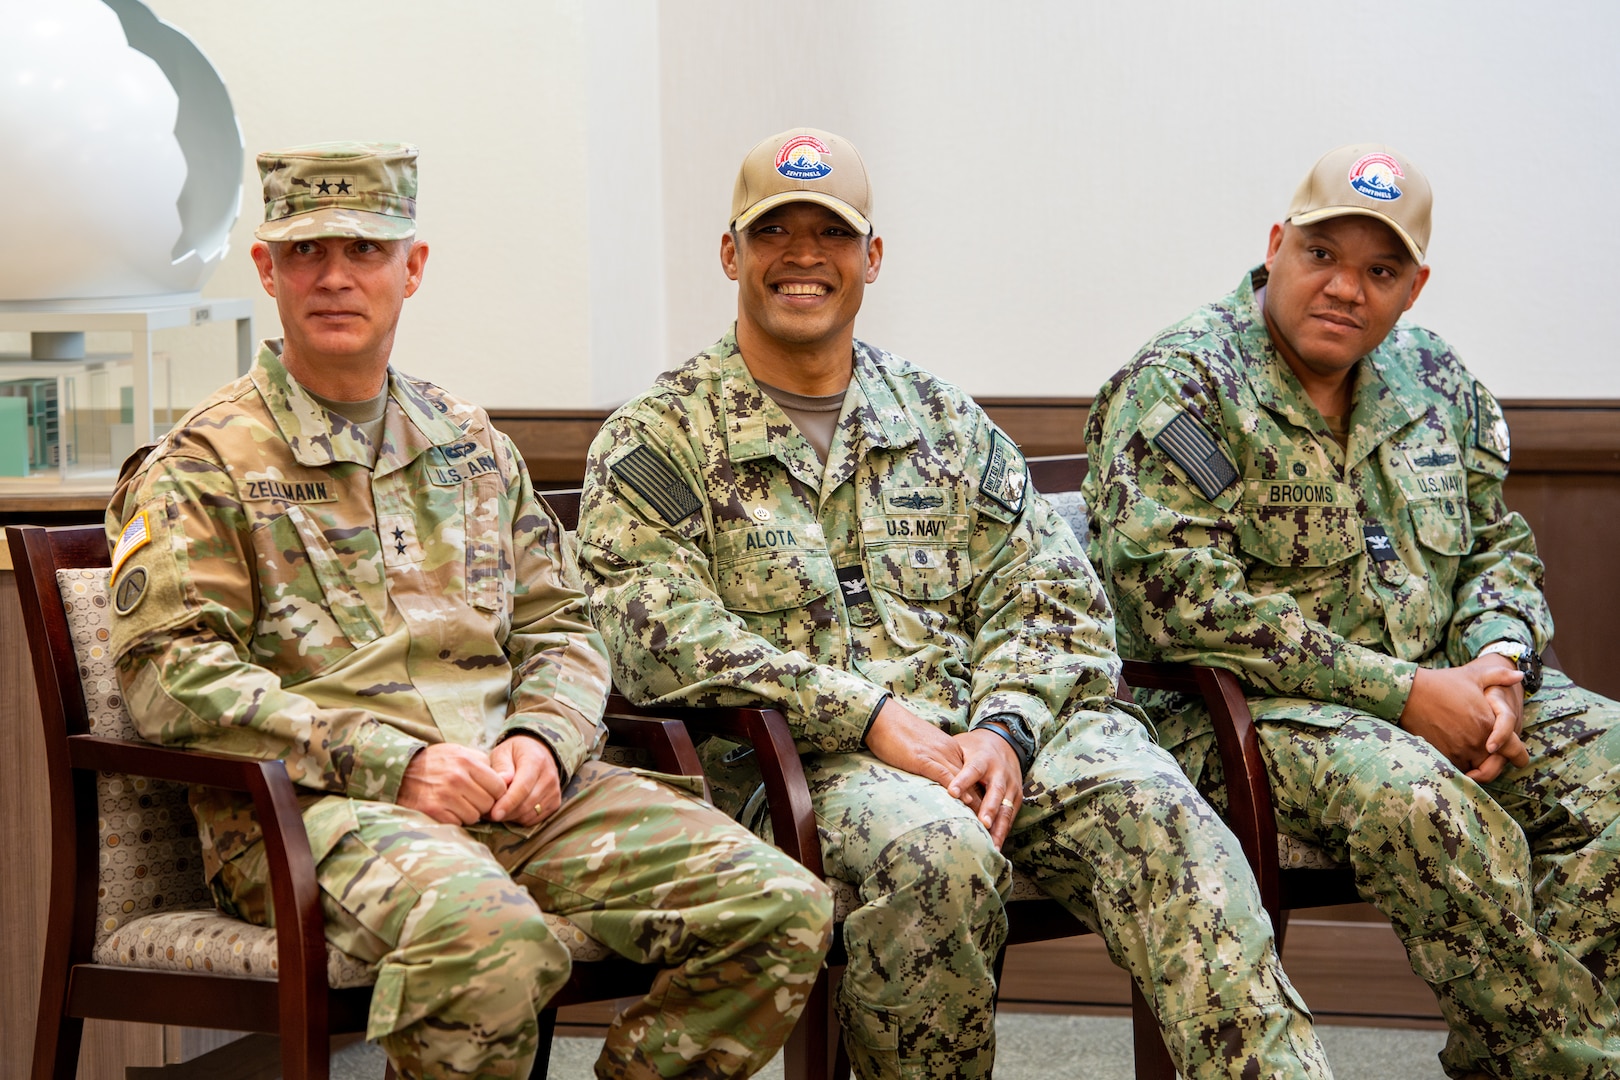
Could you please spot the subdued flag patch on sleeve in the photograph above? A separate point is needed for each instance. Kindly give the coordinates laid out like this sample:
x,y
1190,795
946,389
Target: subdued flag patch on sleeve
x,y
1189,445
1490,426
654,480
136,535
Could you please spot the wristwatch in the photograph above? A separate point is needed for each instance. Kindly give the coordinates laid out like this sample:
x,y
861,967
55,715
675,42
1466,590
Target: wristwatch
x,y
1524,658
1015,729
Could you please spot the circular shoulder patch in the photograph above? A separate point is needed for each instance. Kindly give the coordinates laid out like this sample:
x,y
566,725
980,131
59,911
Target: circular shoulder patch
x,y
129,591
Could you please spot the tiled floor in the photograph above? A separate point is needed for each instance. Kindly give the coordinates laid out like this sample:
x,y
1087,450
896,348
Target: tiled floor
x,y
1035,1047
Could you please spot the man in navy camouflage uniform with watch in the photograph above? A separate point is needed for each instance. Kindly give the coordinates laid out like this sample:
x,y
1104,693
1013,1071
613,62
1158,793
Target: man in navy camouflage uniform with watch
x,y
1292,485
798,519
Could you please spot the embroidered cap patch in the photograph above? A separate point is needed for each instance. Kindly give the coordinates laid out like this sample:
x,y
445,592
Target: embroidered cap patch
x,y
1374,176
654,480
800,158
1190,446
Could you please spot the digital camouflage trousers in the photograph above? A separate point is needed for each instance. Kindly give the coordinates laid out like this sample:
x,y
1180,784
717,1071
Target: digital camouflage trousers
x,y
1112,829
1506,895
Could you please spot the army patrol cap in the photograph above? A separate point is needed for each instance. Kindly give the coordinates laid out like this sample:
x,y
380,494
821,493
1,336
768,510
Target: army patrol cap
x,y
366,191
1371,179
804,165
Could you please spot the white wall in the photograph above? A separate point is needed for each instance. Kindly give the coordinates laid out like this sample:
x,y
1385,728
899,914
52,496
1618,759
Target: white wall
x,y
1054,180
495,95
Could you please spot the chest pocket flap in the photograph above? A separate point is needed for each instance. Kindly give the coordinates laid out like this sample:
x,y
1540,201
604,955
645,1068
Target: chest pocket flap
x,y
1441,525
775,567
921,557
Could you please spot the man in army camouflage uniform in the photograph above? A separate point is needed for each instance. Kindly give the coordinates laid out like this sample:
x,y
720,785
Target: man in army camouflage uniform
x,y
801,520
1289,485
337,566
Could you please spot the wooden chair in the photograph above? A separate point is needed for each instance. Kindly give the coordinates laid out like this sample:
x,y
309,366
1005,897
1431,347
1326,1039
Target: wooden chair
x,y
132,932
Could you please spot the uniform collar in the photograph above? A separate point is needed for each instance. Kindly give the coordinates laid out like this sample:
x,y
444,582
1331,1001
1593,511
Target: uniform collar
x,y
755,425
412,423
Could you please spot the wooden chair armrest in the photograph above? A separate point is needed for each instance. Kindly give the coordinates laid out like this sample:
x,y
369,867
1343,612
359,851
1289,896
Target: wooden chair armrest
x,y
1249,814
300,935
787,795
668,741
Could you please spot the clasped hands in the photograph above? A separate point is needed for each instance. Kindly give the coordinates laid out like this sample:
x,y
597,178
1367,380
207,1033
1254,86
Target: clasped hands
x,y
515,783
1471,714
978,767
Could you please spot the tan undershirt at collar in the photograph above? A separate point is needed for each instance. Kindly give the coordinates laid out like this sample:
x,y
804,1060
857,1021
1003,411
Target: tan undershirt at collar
x,y
815,417
366,415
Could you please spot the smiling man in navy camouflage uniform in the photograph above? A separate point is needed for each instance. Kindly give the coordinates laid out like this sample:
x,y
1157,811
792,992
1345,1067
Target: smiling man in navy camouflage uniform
x,y
1291,485
798,519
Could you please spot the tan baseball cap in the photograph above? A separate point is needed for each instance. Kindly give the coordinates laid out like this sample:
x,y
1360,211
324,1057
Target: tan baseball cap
x,y
366,191
804,165
1372,179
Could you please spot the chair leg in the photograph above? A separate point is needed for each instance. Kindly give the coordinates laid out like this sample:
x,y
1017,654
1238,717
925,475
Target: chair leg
x,y
805,1055
1152,1059
547,1026
305,1055
1280,929
56,1045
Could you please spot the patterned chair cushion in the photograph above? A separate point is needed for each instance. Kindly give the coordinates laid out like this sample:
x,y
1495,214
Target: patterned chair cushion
x,y
208,941
1071,507
1295,854
150,858
154,909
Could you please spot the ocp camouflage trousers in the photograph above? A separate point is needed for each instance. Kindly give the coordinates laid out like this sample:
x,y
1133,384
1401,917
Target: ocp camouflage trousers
x,y
452,917
1506,895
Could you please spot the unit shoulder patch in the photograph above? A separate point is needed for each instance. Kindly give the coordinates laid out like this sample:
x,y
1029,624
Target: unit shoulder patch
x,y
1490,426
1191,447
129,590
651,477
1005,477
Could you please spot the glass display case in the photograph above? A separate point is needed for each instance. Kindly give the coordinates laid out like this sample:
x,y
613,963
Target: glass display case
x,y
70,422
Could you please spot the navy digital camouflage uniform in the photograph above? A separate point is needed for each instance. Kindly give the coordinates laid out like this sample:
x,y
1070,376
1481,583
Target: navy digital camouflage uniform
x,y
1232,529
726,566
286,592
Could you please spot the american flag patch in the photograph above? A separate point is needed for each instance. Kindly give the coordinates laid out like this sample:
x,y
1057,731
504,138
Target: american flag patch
x,y
136,535
1190,446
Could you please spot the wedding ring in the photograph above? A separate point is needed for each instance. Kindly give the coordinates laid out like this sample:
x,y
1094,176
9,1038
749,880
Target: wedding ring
x,y
538,809
1007,804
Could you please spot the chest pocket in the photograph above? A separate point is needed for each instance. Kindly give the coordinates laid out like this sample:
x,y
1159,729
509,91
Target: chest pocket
x,y
1441,525
311,613
920,557
1299,535
760,569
